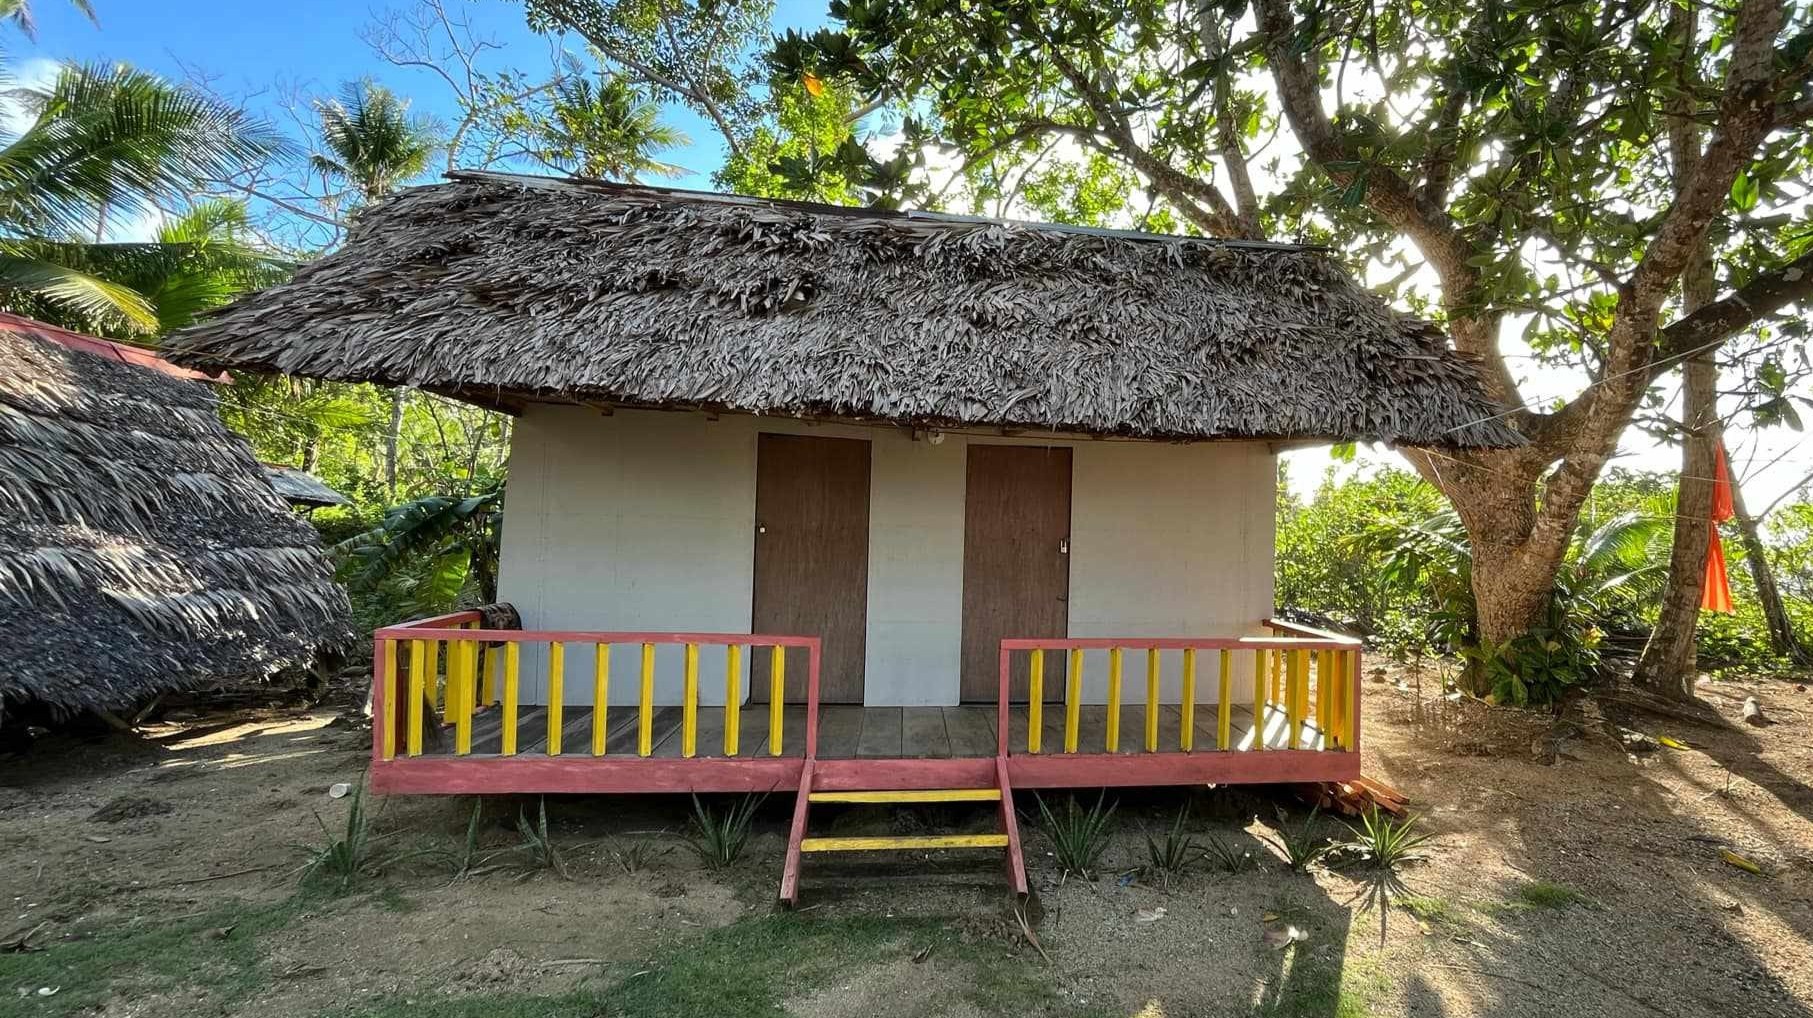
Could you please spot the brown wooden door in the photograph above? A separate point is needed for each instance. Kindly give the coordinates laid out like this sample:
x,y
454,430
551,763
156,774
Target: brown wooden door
x,y
812,559
1016,562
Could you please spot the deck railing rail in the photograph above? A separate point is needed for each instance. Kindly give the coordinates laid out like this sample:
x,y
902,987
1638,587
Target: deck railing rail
x,y
449,665
1309,675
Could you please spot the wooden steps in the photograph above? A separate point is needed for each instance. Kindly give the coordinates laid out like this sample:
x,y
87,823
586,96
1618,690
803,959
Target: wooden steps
x,y
1007,839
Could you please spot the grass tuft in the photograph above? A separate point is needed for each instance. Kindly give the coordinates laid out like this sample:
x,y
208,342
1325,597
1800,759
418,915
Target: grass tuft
x,y
538,844
1544,894
1079,838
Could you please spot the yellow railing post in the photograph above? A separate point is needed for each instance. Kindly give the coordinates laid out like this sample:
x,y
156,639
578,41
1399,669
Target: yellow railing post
x,y
433,676
1114,700
1152,699
512,663
488,666
601,695
733,697
1325,693
389,720
689,704
1224,708
1337,698
418,694
1350,676
461,700
777,693
1035,699
1260,708
1293,696
1277,669
1073,701
557,668
645,718
1186,736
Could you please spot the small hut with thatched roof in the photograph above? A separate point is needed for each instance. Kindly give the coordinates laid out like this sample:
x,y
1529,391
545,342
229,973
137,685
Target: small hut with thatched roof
x,y
143,549
910,434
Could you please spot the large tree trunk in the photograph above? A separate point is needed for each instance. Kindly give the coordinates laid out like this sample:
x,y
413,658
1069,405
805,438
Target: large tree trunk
x,y
1782,638
1669,659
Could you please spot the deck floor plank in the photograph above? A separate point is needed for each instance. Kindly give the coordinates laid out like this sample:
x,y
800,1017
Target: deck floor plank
x,y
971,729
881,730
922,733
839,731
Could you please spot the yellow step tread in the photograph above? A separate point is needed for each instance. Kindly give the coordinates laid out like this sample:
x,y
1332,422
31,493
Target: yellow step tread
x,y
908,841
924,795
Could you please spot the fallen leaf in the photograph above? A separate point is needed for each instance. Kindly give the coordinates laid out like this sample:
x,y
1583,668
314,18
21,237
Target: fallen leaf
x,y
1150,915
1671,743
922,954
218,933
338,790
99,839
1733,859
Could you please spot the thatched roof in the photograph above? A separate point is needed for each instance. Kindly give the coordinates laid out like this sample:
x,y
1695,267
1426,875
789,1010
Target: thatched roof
x,y
301,488
501,288
143,550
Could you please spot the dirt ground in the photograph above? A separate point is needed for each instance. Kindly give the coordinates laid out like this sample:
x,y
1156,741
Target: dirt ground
x,y
159,875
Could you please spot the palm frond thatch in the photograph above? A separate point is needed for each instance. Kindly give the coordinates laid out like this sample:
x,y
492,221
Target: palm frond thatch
x,y
532,288
143,550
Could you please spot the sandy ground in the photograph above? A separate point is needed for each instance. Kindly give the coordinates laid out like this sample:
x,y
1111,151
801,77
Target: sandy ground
x,y
101,834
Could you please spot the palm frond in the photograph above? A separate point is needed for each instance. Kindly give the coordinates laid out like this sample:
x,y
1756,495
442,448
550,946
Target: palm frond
x,y
70,289
108,136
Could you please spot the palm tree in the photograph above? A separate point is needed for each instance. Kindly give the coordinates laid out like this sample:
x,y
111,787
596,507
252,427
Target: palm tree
x,y
374,145
19,13
609,130
106,139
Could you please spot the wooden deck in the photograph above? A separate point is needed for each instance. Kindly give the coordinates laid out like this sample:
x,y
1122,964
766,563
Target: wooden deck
x,y
850,732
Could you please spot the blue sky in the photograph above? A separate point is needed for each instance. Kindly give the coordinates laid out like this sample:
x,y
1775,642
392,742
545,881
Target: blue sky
x,y
248,46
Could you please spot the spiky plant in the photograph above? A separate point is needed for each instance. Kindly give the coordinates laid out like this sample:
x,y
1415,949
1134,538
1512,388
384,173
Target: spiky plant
x,y
1384,842
719,836
1079,837
1176,852
1304,846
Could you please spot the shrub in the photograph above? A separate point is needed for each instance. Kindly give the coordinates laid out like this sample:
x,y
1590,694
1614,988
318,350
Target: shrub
x,y
719,837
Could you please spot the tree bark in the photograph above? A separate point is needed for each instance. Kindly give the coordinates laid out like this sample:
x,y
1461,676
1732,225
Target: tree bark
x,y
1669,661
1782,638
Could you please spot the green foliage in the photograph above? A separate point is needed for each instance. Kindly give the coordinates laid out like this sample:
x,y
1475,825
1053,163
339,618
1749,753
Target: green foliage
x,y
457,538
1079,837
1304,846
1327,562
609,129
1093,193
719,836
1176,852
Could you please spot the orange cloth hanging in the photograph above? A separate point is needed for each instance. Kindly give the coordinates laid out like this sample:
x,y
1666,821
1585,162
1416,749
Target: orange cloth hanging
x,y
1715,593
